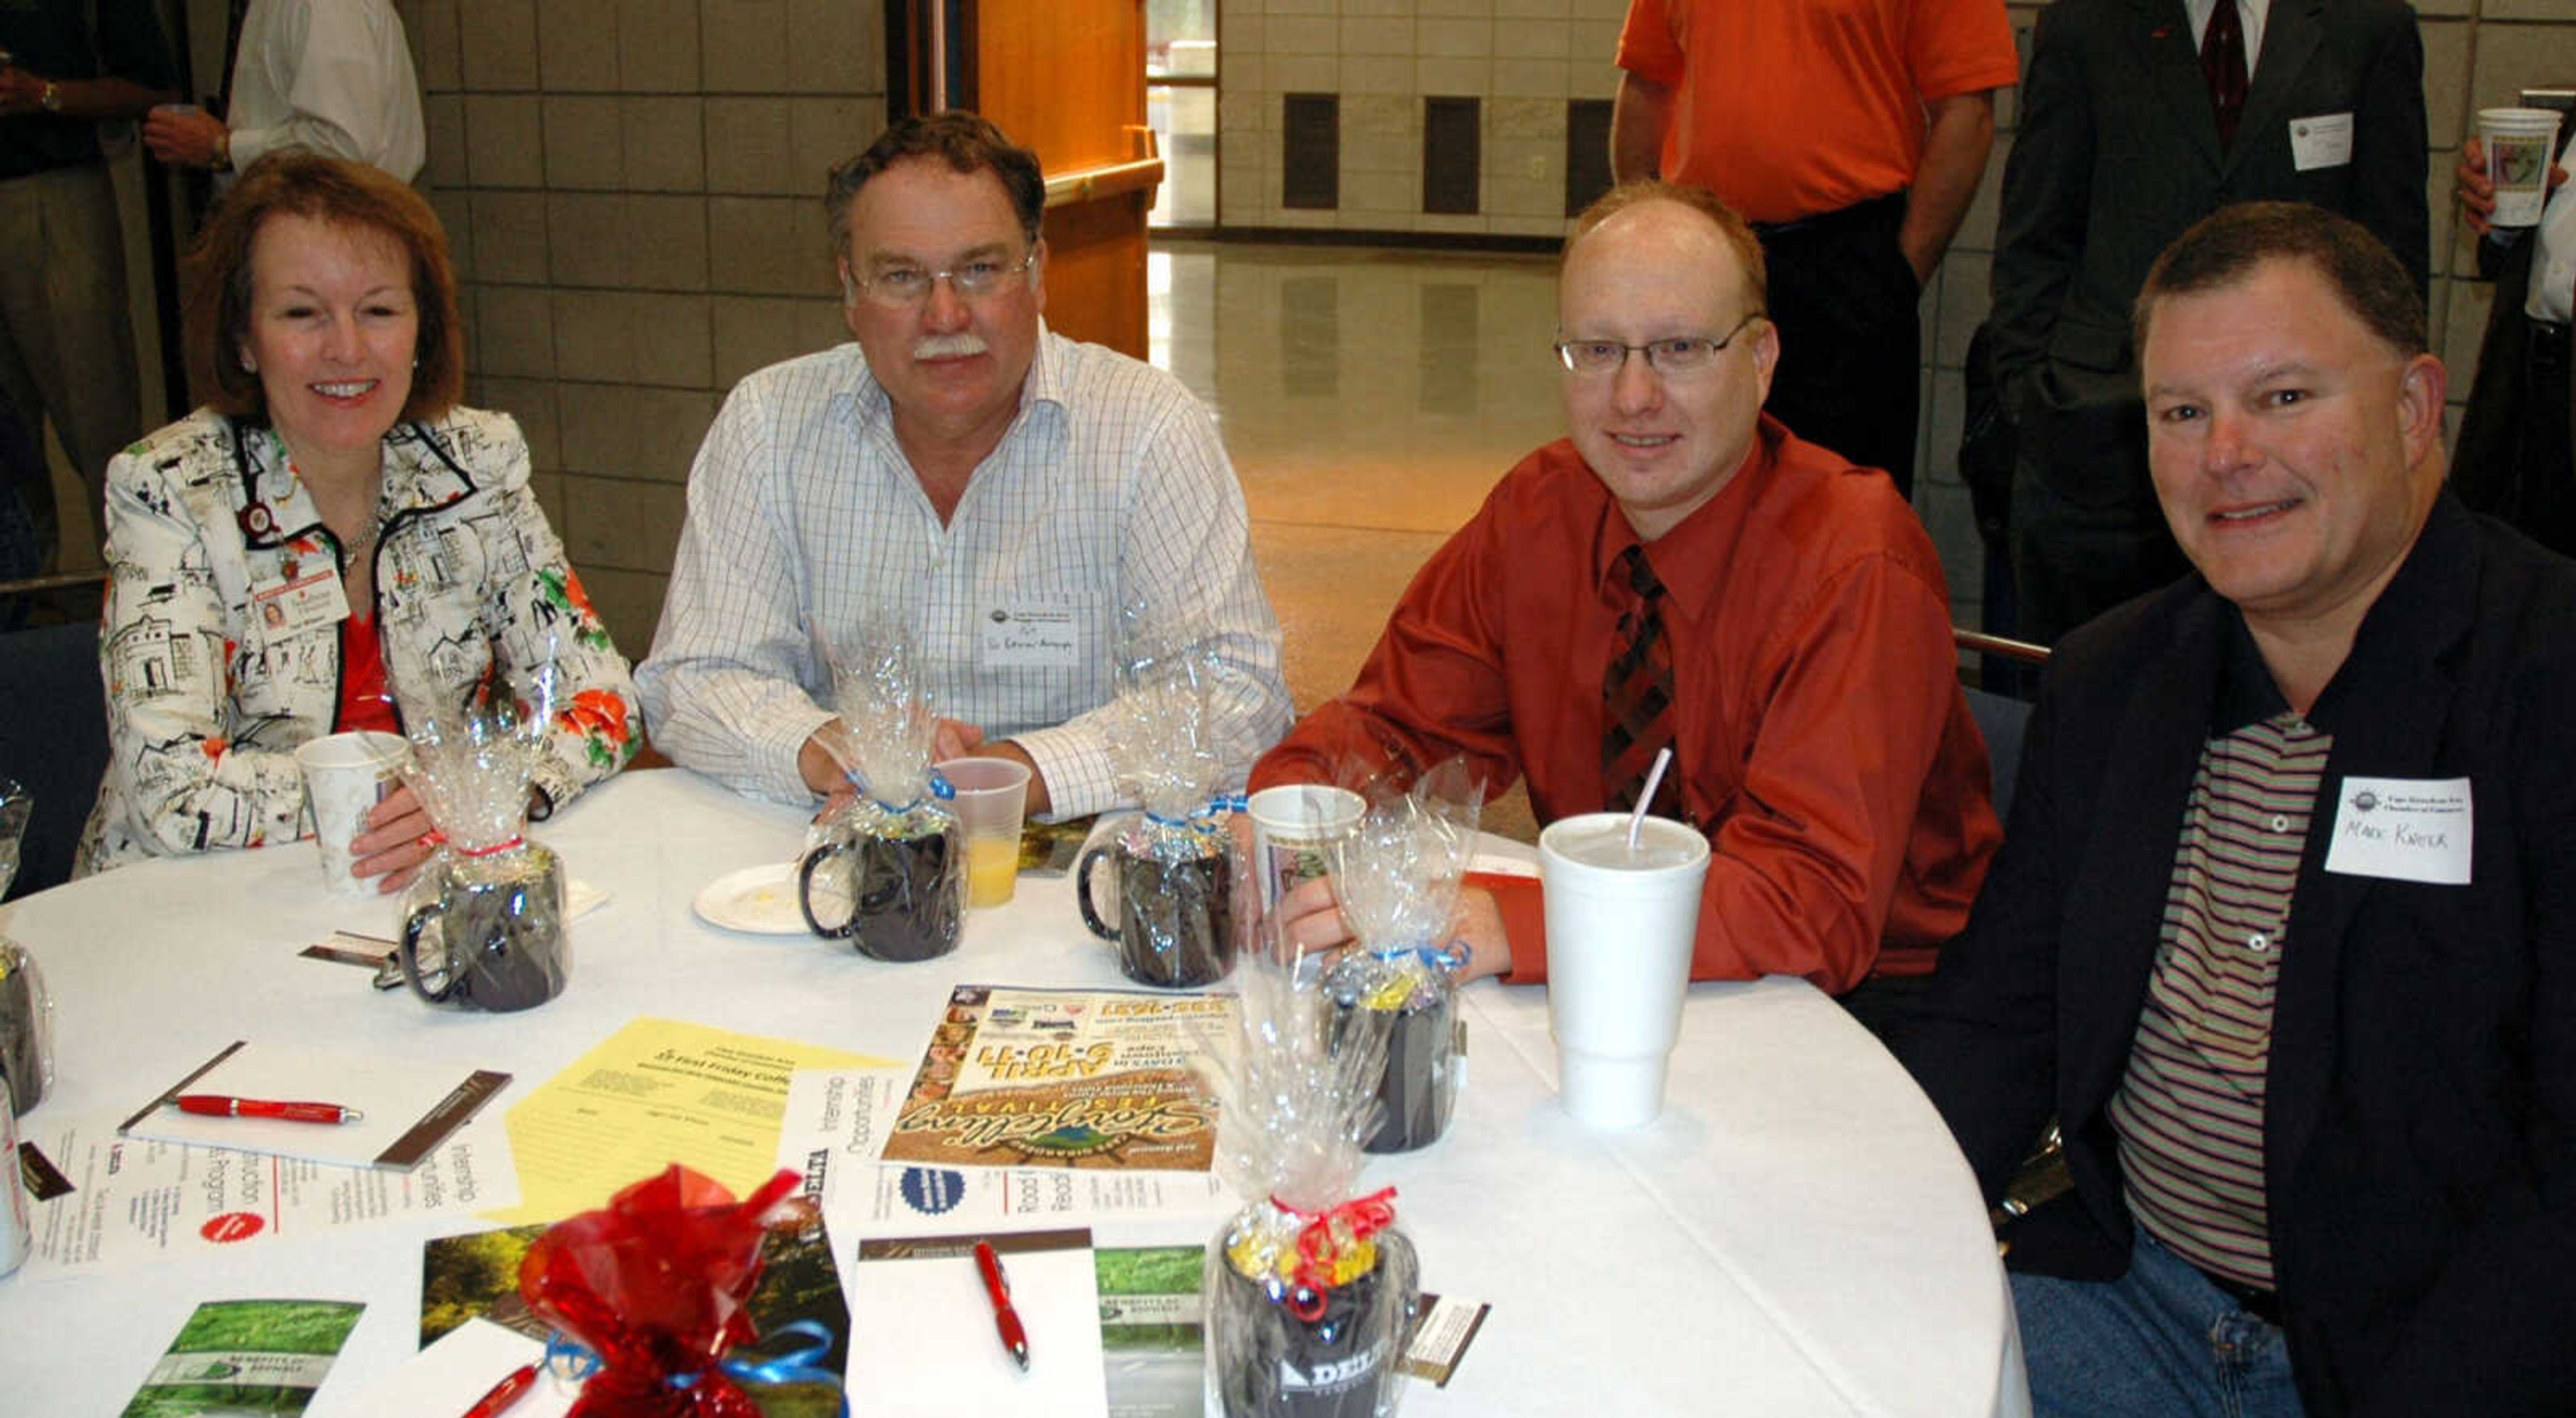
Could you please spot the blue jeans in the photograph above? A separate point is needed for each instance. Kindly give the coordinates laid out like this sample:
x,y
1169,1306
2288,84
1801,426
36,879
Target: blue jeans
x,y
2159,1342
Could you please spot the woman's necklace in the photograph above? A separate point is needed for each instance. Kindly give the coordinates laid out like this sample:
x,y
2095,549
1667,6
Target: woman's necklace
x,y
365,542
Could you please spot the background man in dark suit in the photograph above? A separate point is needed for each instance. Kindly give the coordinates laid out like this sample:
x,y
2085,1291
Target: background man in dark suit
x,y
2282,930
2138,118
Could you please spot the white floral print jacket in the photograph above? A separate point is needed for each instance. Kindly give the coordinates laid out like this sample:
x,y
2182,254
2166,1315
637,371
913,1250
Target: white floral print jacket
x,y
207,697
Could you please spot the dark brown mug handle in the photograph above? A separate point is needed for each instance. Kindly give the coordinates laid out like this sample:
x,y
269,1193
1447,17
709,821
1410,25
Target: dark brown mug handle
x,y
1082,895
413,925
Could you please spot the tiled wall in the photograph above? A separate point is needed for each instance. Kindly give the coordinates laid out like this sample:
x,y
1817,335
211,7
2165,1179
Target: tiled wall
x,y
1522,59
633,189
1526,58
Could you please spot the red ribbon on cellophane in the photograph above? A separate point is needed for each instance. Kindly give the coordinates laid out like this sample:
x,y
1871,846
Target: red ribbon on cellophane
x,y
656,1283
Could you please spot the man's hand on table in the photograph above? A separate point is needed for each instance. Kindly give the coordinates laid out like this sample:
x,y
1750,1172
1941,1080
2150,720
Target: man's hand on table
x,y
396,841
1311,923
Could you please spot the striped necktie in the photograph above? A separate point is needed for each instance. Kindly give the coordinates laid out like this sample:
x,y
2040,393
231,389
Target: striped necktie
x,y
1637,689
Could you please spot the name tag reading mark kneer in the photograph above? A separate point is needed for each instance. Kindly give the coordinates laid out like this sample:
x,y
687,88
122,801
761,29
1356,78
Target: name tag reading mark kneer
x,y
2403,829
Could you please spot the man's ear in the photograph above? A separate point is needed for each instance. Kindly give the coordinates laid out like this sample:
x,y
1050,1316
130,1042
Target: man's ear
x,y
2421,387
849,283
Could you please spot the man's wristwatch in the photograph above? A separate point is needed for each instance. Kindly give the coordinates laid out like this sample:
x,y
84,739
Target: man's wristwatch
x,y
51,100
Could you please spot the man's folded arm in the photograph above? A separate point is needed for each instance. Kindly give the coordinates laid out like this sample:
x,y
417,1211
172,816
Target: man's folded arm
x,y
1806,859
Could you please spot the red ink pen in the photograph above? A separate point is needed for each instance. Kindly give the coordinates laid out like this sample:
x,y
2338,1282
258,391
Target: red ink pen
x,y
508,1391
218,1105
997,1288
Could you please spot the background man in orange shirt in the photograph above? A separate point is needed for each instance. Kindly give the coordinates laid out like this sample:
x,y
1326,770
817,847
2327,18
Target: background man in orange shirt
x,y
1852,135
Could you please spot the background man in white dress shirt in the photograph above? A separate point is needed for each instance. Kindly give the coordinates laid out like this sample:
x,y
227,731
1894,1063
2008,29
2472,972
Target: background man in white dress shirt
x,y
330,76
2516,454
1002,491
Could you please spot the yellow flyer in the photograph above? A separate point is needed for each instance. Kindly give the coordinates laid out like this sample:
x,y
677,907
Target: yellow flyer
x,y
1067,1078
656,1092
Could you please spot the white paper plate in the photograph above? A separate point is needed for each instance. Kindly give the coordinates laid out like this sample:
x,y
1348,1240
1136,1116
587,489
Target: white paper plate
x,y
760,900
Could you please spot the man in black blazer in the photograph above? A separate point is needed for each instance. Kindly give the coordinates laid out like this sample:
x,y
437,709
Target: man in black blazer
x,y
2283,932
2121,145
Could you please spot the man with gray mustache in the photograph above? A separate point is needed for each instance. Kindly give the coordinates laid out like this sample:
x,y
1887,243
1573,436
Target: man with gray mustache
x,y
997,491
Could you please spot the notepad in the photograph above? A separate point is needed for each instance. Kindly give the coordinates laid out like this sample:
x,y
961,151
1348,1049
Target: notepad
x,y
931,1345
407,1107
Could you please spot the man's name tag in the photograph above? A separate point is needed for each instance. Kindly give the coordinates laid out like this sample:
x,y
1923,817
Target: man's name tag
x,y
1033,635
304,602
2321,140
2403,829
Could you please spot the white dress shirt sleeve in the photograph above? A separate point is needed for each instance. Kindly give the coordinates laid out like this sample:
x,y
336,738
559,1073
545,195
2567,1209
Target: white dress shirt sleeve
x,y
333,78
1186,552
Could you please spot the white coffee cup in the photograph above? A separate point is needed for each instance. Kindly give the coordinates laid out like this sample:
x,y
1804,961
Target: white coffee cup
x,y
1294,827
1619,929
2519,144
344,776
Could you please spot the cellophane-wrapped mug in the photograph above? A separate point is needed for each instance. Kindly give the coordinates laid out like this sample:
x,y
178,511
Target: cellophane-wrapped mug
x,y
483,923
886,870
1397,877
26,1007
1172,868
1311,1289
655,1289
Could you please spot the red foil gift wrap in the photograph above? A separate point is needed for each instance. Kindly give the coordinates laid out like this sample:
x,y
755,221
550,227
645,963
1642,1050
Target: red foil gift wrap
x,y
655,1284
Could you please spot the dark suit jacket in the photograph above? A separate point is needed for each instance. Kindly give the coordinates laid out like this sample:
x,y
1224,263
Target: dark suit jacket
x,y
2420,1128
2117,152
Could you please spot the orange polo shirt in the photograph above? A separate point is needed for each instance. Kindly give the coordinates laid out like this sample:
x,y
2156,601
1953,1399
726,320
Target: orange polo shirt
x,y
1793,108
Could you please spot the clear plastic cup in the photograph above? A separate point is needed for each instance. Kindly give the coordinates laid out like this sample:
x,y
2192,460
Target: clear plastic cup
x,y
992,798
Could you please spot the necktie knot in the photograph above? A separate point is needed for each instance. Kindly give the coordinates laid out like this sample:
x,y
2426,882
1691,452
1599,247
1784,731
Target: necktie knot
x,y
1640,575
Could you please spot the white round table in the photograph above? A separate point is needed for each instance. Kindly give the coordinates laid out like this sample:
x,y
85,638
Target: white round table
x,y
1795,1235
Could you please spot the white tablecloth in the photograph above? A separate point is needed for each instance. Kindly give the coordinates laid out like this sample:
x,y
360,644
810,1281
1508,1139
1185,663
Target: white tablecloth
x,y
1795,1235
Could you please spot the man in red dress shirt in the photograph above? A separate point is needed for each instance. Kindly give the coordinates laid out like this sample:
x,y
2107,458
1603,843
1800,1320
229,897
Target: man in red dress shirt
x,y
1684,569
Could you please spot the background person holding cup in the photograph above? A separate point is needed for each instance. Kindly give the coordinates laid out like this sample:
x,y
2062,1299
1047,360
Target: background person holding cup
x,y
1687,571
329,514
2516,454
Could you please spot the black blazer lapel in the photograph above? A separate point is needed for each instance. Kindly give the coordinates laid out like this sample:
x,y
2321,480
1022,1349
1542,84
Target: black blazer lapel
x,y
2161,32
2117,900
2291,32
2400,697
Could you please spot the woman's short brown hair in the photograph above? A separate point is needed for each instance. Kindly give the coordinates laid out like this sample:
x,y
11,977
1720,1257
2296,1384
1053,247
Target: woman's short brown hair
x,y
215,318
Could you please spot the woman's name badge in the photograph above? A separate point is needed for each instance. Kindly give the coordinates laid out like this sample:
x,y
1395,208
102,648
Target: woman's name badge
x,y
2403,829
1033,635
308,600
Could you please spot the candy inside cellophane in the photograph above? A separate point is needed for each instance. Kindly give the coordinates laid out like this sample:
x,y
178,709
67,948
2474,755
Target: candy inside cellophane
x,y
1310,1289
1398,879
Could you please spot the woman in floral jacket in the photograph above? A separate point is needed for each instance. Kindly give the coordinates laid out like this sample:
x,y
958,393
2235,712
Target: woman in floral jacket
x,y
329,511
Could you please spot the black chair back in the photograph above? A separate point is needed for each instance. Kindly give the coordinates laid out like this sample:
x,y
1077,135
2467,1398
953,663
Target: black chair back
x,y
2001,719
53,740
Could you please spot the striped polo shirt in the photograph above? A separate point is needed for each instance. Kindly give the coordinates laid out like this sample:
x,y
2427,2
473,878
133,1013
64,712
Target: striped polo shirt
x,y
2189,1112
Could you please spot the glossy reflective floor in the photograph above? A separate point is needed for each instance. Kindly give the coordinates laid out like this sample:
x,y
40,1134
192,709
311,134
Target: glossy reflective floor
x,y
1369,400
